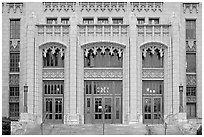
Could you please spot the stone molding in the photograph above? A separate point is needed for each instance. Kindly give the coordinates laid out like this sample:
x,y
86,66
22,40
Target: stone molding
x,y
190,7
152,73
14,6
53,73
147,6
190,80
14,79
103,6
58,6
103,73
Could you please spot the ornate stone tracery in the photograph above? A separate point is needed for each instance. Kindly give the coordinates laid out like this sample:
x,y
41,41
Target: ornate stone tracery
x,y
66,6
190,7
96,6
15,6
53,50
152,73
190,45
103,73
153,48
147,6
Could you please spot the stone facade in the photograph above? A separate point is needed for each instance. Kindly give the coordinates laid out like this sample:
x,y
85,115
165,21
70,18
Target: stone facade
x,y
76,38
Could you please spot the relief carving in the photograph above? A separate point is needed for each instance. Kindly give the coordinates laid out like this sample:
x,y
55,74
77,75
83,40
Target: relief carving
x,y
147,6
53,73
152,73
191,80
66,6
13,79
190,7
15,6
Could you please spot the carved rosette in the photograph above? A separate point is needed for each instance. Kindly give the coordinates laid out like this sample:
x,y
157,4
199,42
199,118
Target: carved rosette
x,y
191,99
13,79
59,6
190,7
191,45
147,6
103,74
53,73
103,6
191,80
152,73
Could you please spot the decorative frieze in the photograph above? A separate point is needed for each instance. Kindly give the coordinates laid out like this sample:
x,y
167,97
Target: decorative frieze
x,y
53,73
153,73
59,6
13,99
191,99
190,7
14,45
147,6
13,79
190,80
190,45
103,73
14,7
103,6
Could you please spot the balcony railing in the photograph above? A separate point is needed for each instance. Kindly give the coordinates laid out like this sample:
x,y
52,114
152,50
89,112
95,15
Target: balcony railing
x,y
149,32
92,32
50,32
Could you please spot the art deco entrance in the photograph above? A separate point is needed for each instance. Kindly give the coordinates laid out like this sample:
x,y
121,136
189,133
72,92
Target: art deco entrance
x,y
53,101
103,102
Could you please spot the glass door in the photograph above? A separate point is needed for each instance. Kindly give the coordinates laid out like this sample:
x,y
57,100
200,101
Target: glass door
x,y
98,106
108,110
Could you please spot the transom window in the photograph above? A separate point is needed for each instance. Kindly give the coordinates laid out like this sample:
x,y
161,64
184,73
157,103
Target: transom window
x,y
152,87
88,20
51,20
102,20
64,20
117,20
140,20
53,87
15,29
153,20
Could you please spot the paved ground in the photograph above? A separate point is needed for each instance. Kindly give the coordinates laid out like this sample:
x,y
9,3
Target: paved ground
x,y
110,129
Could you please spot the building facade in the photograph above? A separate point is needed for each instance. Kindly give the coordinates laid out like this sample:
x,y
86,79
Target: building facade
x,y
89,62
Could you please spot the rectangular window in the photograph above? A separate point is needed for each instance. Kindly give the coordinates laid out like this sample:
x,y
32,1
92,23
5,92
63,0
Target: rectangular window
x,y
140,20
14,91
191,91
51,20
88,20
53,87
102,20
152,86
64,20
117,20
190,29
153,20
13,110
15,29
191,62
191,110
14,62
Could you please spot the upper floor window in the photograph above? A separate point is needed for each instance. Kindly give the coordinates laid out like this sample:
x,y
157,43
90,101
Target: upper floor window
x,y
140,20
53,57
15,29
102,20
191,62
190,29
103,57
153,20
117,20
152,58
88,20
64,20
14,62
51,20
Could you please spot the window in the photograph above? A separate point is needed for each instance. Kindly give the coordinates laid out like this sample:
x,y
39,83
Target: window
x,y
191,62
102,20
53,87
15,29
13,110
152,87
191,91
64,20
117,20
140,20
153,21
152,60
51,20
14,62
190,29
191,110
14,91
88,21
53,58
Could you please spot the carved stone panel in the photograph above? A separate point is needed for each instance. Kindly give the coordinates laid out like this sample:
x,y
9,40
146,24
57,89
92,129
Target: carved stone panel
x,y
15,45
53,73
59,6
190,7
152,73
103,73
191,80
14,7
147,6
190,45
13,79
191,99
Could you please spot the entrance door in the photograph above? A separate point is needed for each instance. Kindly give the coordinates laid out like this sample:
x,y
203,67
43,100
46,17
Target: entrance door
x,y
53,107
152,110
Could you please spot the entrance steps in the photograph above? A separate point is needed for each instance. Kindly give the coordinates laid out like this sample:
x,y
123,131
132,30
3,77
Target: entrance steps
x,y
89,129
160,130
